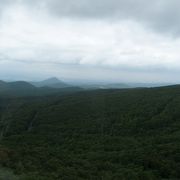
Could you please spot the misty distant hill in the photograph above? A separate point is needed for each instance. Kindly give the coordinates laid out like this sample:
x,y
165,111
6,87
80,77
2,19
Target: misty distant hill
x,y
56,83
51,82
22,88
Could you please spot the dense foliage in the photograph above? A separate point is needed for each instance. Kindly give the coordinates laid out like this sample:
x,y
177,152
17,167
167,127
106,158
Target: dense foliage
x,y
103,134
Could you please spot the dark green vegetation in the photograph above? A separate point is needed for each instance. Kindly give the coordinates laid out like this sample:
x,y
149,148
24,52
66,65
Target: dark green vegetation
x,y
104,134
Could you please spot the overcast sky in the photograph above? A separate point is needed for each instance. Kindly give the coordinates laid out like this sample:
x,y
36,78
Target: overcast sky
x,y
113,40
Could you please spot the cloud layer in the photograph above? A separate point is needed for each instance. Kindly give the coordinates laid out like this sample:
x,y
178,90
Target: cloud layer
x,y
161,15
127,37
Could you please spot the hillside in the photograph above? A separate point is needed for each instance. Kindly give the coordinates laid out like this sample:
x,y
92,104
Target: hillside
x,y
101,134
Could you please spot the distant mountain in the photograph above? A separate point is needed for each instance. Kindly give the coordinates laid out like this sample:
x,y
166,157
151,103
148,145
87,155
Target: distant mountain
x,y
15,86
51,82
22,88
22,85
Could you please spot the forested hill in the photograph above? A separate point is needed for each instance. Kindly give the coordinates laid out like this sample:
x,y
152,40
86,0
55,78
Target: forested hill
x,y
130,134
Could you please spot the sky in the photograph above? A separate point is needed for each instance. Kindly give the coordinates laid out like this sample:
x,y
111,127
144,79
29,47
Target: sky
x,y
98,40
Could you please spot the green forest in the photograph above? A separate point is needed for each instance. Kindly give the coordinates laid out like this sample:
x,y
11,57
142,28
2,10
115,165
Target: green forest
x,y
115,134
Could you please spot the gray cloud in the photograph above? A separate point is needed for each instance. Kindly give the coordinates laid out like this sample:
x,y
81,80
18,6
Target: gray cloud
x,y
160,15
90,34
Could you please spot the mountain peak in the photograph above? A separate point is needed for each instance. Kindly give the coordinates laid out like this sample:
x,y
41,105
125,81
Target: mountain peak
x,y
55,79
52,82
